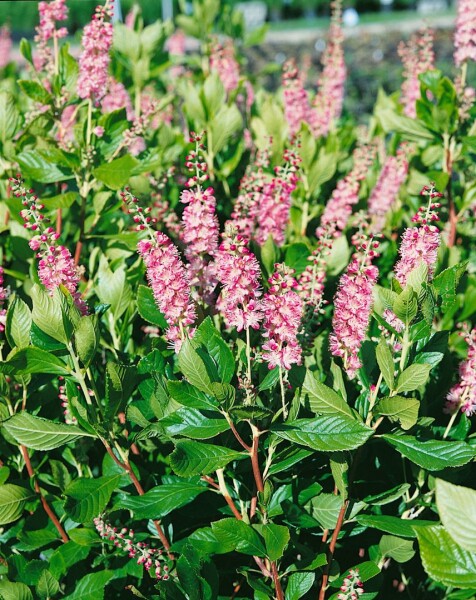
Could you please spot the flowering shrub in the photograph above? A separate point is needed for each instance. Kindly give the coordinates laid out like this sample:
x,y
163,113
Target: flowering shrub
x,y
238,331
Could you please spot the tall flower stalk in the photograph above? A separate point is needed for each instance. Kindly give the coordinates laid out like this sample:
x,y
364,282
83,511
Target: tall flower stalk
x,y
420,244
417,57
353,305
166,274
297,108
465,32
462,396
56,265
50,13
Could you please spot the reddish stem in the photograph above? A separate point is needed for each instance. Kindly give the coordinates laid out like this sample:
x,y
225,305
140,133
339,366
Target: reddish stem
x,y
140,490
238,436
255,462
44,502
332,545
277,582
59,221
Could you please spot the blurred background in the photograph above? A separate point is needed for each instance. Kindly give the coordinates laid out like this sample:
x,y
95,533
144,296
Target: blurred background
x,y
294,28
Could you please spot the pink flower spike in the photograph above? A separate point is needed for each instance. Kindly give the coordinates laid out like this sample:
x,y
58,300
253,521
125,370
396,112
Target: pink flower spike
x,y
170,284
465,33
237,269
5,46
417,57
223,62
297,108
352,308
462,395
283,310
94,60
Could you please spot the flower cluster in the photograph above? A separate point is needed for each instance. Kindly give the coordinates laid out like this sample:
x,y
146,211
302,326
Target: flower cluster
x,y
311,281
417,57
283,309
462,396
330,96
353,305
339,207
50,13
123,539
5,46
223,62
297,109
465,33
237,269
352,586
94,60
117,97
275,201
392,176
420,244
56,265
246,204
166,274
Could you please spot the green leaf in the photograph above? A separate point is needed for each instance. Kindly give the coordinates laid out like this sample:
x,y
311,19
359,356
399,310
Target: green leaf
x,y
299,584
433,455
393,525
457,509
276,538
209,336
385,362
410,128
148,309
84,536
47,585
9,116
12,502
60,201
367,570
444,560
194,369
117,173
42,166
91,587
388,496
112,288
326,433
288,458
403,410
189,396
413,377
33,360
47,314
66,556
226,123
340,468
326,508
25,50
214,94
14,591
323,399
86,338
195,458
162,500
405,306
35,91
296,257
397,548
243,537
41,434
190,422
86,498
18,323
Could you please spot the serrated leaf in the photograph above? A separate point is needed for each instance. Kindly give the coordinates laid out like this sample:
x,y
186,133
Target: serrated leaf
x,y
397,408
14,591
323,399
112,288
18,324
276,538
457,509
189,396
340,468
405,306
393,525
47,314
162,500
86,498
12,502
194,369
413,377
47,585
208,336
148,309
299,584
388,496
444,560
190,422
116,173
86,338
325,433
41,434
195,458
9,116
432,455
399,549
35,91
385,362
32,360
243,537
91,587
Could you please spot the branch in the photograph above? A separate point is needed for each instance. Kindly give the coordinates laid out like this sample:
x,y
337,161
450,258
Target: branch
x,y
44,502
332,545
